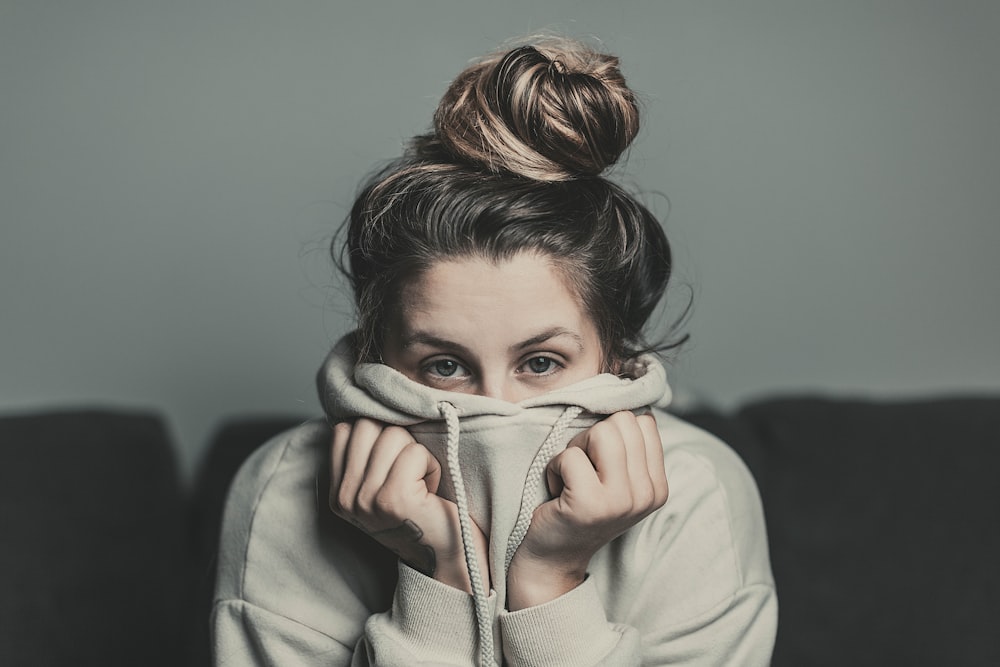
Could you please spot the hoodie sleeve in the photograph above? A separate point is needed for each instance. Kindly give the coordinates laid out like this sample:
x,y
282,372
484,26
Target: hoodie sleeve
x,y
690,585
245,634
296,586
429,623
570,630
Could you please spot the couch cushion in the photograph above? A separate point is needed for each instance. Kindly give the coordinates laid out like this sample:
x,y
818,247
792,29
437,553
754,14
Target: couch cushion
x,y
91,541
884,525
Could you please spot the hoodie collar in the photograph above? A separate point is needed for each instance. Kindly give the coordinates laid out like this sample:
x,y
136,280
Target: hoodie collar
x,y
375,390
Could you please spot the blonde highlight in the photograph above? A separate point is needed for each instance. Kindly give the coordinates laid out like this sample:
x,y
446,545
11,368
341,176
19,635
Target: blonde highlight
x,y
550,111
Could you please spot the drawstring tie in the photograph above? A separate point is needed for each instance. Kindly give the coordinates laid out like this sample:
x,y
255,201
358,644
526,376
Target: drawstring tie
x,y
530,499
530,496
483,620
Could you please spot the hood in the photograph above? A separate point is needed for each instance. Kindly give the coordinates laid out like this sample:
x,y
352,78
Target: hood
x,y
347,390
493,453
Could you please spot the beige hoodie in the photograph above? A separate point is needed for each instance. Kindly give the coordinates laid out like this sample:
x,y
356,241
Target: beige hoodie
x,y
690,583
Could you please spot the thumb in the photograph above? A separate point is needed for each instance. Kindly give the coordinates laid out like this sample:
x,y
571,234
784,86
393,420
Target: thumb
x,y
432,478
553,480
553,471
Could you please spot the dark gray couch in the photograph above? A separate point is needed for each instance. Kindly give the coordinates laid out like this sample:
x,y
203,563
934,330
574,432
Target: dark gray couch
x,y
883,522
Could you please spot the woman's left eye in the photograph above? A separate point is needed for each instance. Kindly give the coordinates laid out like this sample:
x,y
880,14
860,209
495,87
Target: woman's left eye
x,y
540,365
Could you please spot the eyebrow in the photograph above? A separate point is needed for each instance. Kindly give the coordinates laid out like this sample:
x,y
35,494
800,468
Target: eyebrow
x,y
413,338
410,339
548,334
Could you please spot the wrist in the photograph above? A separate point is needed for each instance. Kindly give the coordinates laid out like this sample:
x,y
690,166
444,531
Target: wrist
x,y
532,582
453,573
453,570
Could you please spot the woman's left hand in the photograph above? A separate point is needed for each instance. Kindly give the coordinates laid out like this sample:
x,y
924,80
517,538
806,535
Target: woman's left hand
x,y
607,479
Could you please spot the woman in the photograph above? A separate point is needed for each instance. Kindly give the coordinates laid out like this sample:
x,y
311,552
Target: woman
x,y
494,486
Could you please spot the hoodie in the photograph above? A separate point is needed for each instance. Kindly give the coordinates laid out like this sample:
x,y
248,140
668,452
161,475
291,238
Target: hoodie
x,y
296,585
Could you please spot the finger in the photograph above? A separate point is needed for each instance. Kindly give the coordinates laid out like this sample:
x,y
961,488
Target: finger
x,y
654,457
553,481
359,447
387,446
640,484
338,454
409,472
633,439
571,472
433,477
606,450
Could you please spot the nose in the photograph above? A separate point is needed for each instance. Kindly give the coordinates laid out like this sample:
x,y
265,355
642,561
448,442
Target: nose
x,y
498,386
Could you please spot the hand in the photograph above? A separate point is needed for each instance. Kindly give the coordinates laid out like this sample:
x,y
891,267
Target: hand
x,y
607,479
385,483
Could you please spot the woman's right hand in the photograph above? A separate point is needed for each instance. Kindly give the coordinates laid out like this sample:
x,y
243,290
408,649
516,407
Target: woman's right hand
x,y
385,483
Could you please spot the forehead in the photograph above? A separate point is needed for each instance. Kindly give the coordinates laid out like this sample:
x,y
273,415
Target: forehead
x,y
472,293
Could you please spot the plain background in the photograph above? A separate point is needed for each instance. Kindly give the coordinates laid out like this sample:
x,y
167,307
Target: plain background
x,y
171,174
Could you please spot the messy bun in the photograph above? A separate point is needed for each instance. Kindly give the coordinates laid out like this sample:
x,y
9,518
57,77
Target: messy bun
x,y
514,165
551,111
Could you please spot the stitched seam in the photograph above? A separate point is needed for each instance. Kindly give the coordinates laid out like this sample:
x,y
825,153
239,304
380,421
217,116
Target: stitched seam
x,y
244,603
727,505
712,610
256,505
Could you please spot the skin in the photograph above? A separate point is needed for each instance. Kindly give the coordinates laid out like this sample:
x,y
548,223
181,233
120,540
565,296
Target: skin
x,y
509,330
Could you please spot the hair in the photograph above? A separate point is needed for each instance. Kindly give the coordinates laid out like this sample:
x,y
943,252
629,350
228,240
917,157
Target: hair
x,y
514,164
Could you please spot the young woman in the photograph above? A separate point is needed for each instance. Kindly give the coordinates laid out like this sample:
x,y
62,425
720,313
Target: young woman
x,y
490,485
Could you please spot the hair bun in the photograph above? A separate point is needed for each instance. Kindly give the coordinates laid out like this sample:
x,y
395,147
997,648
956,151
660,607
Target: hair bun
x,y
552,111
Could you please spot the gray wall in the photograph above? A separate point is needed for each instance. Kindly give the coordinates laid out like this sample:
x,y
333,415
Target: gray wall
x,y
170,173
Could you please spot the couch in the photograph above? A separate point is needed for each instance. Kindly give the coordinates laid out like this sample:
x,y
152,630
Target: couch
x,y
883,524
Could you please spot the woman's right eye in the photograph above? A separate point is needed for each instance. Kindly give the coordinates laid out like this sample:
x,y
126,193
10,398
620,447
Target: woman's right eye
x,y
446,368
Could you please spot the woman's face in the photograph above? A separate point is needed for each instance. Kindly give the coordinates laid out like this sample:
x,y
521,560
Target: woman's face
x,y
509,330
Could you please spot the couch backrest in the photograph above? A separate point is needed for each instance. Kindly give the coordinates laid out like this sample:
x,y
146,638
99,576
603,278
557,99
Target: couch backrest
x,y
884,526
92,541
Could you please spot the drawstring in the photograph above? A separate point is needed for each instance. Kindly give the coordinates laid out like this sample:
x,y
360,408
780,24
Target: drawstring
x,y
483,619
530,499
530,495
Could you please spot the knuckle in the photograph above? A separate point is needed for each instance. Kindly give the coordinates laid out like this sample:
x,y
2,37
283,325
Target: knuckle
x,y
570,460
644,498
385,502
412,448
623,417
365,501
343,503
608,444
392,438
603,429
364,424
619,505
663,495
628,508
397,432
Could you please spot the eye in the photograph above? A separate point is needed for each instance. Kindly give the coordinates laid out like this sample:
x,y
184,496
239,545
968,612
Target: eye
x,y
445,368
540,365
